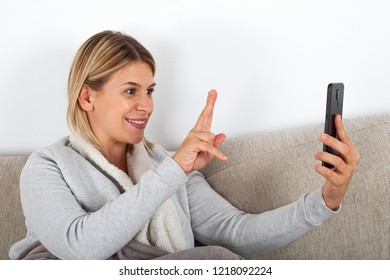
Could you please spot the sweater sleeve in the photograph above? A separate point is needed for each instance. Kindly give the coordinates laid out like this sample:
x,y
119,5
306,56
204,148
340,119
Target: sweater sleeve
x,y
56,217
216,222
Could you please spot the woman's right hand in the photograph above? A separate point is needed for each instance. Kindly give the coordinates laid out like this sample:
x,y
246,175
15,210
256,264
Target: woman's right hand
x,y
201,145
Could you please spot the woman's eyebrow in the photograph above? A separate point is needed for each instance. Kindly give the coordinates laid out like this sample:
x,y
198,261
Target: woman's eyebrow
x,y
137,85
131,83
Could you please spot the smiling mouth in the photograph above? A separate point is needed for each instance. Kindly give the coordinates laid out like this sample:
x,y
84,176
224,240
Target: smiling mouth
x,y
140,124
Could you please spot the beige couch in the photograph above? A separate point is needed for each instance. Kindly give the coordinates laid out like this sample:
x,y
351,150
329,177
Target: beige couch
x,y
269,170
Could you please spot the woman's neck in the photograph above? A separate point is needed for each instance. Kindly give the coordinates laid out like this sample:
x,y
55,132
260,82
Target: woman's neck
x,y
116,155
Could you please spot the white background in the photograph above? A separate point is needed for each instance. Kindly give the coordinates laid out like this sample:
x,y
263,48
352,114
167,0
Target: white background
x,y
270,61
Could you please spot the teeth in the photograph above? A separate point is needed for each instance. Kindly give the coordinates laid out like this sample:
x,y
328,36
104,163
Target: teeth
x,y
136,122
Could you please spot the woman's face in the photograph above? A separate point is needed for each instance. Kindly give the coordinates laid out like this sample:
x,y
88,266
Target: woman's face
x,y
123,106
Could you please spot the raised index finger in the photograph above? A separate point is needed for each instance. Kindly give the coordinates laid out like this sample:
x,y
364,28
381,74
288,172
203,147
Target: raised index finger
x,y
206,117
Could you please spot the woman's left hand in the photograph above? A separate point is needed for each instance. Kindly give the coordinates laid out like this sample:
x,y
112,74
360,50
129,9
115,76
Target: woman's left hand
x,y
201,145
338,178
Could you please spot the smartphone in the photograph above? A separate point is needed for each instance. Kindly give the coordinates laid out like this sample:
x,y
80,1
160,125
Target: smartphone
x,y
334,106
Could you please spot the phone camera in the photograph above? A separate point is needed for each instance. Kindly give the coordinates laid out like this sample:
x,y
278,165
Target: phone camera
x,y
337,94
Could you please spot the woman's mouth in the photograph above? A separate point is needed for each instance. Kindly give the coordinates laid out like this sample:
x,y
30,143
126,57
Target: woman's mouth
x,y
137,123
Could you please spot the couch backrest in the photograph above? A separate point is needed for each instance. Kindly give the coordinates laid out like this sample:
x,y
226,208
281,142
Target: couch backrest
x,y
12,226
270,170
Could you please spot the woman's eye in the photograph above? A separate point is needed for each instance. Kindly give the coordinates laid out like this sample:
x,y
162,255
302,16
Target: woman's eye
x,y
130,91
150,91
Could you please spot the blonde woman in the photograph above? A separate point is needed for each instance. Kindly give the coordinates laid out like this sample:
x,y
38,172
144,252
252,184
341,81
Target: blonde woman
x,y
105,192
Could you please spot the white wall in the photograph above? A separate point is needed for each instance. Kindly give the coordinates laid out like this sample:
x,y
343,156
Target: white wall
x,y
270,61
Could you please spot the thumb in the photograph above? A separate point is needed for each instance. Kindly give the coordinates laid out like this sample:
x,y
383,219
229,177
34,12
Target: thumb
x,y
219,139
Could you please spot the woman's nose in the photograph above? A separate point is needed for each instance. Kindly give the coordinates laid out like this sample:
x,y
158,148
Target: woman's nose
x,y
145,103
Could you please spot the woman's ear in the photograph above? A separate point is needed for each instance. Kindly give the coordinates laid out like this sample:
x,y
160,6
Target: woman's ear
x,y
86,98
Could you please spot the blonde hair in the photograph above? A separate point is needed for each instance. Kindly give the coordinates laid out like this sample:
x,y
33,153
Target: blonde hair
x,y
97,59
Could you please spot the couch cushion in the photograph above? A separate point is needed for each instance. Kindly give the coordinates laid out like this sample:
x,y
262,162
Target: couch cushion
x,y
270,170
11,215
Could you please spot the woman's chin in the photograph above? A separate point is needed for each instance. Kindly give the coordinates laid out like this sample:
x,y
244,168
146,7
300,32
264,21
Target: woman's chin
x,y
135,140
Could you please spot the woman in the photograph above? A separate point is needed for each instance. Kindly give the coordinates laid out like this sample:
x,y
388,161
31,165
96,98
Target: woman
x,y
105,192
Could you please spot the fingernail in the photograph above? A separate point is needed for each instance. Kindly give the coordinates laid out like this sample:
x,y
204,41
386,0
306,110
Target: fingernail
x,y
324,136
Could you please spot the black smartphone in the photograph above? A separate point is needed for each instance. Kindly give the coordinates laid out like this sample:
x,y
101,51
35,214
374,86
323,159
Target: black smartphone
x,y
334,106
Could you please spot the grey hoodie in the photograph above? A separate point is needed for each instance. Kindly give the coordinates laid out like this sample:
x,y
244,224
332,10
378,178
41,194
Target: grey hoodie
x,y
77,211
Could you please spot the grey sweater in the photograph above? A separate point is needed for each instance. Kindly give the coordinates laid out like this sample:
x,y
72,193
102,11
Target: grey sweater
x,y
77,211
